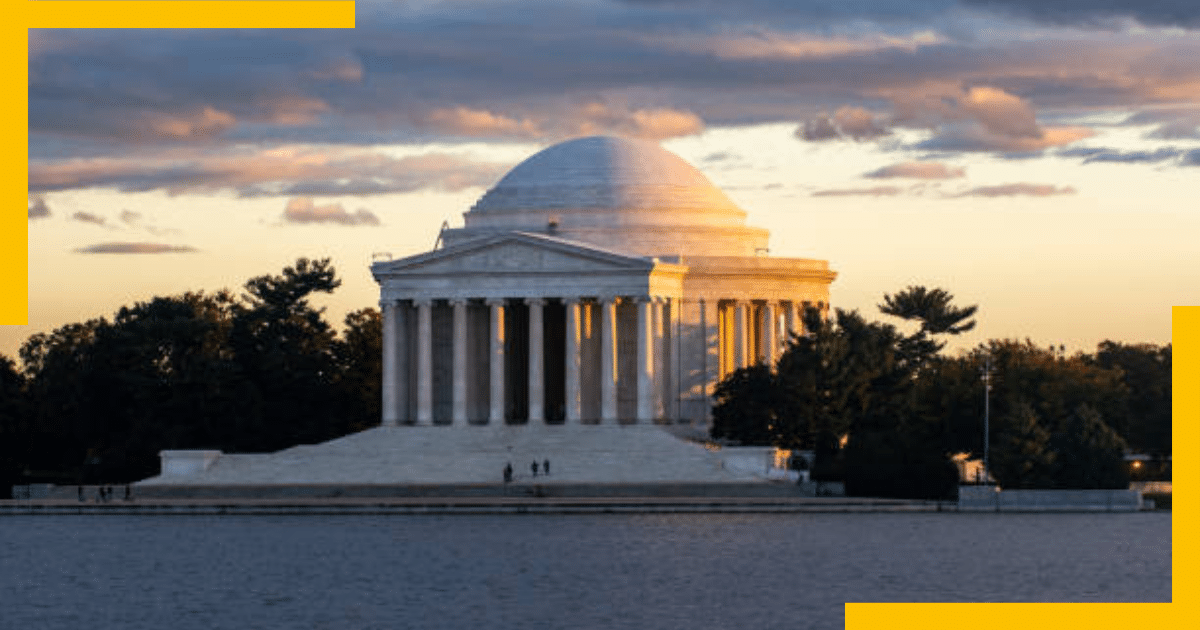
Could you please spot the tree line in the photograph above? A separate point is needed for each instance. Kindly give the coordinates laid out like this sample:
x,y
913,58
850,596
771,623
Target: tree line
x,y
884,411
261,370
252,372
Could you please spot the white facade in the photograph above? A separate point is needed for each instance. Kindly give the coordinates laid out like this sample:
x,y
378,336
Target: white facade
x,y
602,281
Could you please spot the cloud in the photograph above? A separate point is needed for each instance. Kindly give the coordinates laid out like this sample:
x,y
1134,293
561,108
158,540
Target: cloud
x,y
1090,12
855,123
1000,113
877,191
135,248
345,69
1091,155
974,137
203,123
478,123
1191,158
1178,130
917,170
302,210
1170,124
760,43
1019,189
129,217
546,70
88,217
38,208
568,120
286,170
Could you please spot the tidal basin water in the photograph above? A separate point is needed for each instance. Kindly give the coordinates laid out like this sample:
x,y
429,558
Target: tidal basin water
x,y
536,572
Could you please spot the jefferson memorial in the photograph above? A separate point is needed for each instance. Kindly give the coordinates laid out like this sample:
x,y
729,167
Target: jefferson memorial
x,y
582,315
602,281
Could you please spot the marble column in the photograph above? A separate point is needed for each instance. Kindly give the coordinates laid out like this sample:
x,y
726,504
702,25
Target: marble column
x,y
391,416
645,360
741,353
661,365
710,317
459,414
608,360
572,359
770,332
537,360
496,367
674,352
424,362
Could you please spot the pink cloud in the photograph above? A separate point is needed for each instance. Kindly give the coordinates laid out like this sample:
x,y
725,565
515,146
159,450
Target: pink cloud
x,y
917,170
135,248
303,210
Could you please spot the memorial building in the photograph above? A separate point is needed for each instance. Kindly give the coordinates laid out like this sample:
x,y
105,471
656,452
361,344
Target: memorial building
x,y
603,280
580,317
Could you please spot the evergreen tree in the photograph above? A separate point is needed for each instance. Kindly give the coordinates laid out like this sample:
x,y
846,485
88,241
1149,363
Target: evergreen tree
x,y
1090,454
1022,456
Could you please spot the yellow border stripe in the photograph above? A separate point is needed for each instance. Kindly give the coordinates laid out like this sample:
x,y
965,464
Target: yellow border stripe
x,y
1185,421
14,226
1185,438
190,14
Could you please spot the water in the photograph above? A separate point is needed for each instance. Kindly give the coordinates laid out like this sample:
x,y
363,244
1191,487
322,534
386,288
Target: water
x,y
545,571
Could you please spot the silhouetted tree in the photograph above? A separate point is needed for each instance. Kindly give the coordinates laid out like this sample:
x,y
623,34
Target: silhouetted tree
x,y
1022,456
15,426
745,409
359,358
1145,370
1089,453
284,347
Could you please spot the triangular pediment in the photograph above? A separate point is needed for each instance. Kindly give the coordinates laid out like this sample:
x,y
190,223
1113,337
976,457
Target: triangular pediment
x,y
515,252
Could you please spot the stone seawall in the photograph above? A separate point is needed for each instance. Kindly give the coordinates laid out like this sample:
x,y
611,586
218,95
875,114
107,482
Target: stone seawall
x,y
993,499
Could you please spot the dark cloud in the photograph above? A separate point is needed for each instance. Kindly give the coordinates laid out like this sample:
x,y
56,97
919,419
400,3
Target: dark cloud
x,y
38,208
135,248
917,170
303,210
129,217
1110,155
877,191
854,123
1019,189
266,172
1191,158
1177,130
977,138
546,70
719,156
1169,124
1129,157
1096,12
88,217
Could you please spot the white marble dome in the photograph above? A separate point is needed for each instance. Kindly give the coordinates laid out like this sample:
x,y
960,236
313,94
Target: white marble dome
x,y
628,195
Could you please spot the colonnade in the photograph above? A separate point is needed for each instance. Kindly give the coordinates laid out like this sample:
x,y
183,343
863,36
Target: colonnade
x,y
574,360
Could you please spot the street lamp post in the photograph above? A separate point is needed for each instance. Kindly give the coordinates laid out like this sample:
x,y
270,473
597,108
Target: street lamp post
x,y
987,388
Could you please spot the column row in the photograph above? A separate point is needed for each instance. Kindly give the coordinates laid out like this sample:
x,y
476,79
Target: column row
x,y
752,331
408,391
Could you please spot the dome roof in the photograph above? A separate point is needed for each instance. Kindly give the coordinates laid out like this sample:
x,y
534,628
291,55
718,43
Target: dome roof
x,y
631,196
604,173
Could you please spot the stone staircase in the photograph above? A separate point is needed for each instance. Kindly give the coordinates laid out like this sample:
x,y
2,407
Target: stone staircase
x,y
581,454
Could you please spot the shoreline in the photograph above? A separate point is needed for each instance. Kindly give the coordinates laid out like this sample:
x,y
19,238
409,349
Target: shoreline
x,y
489,505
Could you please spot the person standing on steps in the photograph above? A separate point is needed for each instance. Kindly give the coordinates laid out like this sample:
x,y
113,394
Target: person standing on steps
x,y
546,467
533,467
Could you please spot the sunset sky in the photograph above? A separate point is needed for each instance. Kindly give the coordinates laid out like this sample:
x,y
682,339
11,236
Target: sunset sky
x,y
1038,158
